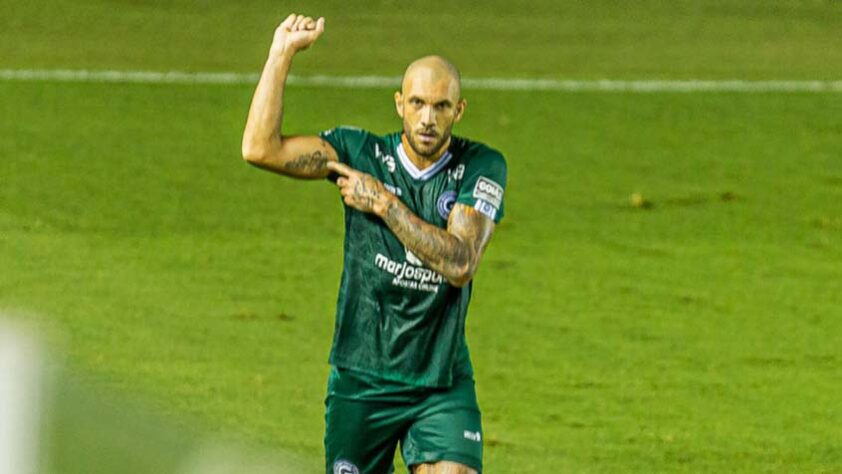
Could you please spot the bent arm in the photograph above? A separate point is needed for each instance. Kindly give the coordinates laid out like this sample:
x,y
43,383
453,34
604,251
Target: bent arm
x,y
264,145
454,252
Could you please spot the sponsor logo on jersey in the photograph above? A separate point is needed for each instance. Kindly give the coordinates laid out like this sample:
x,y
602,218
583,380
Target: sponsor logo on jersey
x,y
409,274
387,160
456,173
411,258
488,190
393,189
473,435
345,467
486,208
445,203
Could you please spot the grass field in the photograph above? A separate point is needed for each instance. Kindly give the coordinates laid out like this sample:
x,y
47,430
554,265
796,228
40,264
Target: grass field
x,y
701,334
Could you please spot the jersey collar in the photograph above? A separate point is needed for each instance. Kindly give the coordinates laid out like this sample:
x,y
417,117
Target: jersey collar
x,y
424,174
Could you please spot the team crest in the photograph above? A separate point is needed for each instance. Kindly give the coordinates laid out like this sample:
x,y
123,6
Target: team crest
x,y
445,203
344,467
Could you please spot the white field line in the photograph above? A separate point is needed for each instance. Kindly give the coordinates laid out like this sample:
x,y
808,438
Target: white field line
x,y
381,82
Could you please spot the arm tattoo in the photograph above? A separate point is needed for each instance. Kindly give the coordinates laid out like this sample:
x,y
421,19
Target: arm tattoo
x,y
454,252
308,164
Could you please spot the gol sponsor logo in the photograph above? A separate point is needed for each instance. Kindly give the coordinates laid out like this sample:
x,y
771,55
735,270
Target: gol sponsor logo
x,y
489,190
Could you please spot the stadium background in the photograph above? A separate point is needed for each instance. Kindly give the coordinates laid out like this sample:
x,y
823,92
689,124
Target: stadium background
x,y
663,296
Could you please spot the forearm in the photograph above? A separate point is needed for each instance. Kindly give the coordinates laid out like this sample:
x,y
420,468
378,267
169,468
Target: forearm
x,y
262,134
436,247
454,253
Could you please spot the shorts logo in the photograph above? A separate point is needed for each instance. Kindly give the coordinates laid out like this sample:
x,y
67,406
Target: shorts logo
x,y
344,467
445,203
473,435
489,191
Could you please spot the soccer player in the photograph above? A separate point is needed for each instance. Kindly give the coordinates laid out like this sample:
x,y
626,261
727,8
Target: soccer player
x,y
420,208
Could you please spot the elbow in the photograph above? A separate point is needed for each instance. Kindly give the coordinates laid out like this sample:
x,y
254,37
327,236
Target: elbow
x,y
253,154
461,276
462,269
459,283
259,152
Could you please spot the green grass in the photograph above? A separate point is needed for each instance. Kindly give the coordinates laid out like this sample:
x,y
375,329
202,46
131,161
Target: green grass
x,y
700,335
788,39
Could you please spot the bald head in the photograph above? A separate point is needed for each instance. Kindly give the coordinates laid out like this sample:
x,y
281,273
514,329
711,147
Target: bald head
x,y
433,70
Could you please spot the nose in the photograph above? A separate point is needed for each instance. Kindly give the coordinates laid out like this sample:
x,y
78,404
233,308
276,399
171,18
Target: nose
x,y
427,116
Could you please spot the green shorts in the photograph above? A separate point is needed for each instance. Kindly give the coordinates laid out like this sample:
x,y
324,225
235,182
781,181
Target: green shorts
x,y
366,418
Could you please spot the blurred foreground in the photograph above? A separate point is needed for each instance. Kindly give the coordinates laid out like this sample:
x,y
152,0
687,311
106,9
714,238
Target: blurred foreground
x,y
53,424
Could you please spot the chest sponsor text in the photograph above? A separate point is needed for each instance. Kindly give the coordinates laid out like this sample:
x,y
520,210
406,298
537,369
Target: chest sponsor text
x,y
409,276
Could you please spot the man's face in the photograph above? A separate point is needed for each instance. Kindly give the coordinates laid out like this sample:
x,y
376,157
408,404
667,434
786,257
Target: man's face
x,y
429,106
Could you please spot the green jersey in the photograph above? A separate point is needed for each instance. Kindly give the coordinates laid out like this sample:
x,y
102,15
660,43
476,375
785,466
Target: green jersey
x,y
396,319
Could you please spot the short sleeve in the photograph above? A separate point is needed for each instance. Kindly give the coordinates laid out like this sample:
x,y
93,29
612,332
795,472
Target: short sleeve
x,y
484,184
347,141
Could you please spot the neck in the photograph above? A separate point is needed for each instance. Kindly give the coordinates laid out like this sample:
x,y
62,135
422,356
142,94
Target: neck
x,y
422,162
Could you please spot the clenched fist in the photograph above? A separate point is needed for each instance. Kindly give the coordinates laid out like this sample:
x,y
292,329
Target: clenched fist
x,y
296,33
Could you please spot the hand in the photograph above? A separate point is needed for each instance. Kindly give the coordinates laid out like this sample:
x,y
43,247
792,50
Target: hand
x,y
297,33
361,191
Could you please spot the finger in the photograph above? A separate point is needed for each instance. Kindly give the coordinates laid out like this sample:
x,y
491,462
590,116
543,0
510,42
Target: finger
x,y
301,25
320,28
287,23
341,182
307,23
297,22
346,190
340,168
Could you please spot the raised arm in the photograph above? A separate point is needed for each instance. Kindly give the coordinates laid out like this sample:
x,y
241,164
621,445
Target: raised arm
x,y
264,145
454,252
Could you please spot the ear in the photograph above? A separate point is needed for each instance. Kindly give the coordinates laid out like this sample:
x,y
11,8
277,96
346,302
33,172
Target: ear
x,y
399,103
460,109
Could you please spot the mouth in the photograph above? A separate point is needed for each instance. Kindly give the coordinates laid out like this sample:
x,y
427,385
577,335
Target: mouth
x,y
427,137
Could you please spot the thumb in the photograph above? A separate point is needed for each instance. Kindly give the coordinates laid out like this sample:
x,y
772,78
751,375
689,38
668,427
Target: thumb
x,y
320,28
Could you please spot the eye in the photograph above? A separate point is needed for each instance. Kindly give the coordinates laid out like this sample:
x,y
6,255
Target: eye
x,y
442,106
416,102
